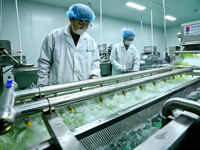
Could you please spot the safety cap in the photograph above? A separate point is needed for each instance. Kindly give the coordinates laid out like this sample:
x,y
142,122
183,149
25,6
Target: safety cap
x,y
128,34
80,12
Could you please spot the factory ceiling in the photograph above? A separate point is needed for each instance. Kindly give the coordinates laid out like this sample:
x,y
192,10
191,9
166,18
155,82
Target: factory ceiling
x,y
182,10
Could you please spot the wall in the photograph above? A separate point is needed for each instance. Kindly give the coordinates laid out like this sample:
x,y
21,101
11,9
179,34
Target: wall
x,y
113,28
37,20
172,36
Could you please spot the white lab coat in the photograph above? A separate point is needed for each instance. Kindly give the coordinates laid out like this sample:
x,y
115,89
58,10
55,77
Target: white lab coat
x,y
61,61
130,59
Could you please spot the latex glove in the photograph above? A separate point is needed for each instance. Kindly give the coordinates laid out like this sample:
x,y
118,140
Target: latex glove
x,y
93,77
123,69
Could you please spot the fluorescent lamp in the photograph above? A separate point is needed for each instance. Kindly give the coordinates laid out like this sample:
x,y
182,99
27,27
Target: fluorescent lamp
x,y
133,5
170,18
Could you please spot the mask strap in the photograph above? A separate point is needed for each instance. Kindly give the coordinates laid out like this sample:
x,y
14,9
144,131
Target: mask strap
x,y
73,26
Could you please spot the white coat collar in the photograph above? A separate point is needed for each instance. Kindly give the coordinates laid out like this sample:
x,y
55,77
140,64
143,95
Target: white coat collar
x,y
69,37
122,44
67,31
123,47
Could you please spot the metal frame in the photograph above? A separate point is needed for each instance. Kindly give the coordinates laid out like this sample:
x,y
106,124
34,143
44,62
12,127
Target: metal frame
x,y
62,137
48,103
38,106
177,129
82,84
170,136
187,52
98,125
7,112
85,130
178,103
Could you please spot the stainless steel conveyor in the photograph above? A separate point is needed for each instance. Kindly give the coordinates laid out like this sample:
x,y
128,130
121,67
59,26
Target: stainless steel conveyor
x,y
45,99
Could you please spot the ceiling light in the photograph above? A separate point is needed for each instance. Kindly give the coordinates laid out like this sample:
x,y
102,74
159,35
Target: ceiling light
x,y
133,5
170,18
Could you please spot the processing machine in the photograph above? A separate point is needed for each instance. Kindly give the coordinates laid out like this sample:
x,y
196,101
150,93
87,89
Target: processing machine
x,y
150,109
187,54
105,65
150,56
24,74
61,108
172,50
190,44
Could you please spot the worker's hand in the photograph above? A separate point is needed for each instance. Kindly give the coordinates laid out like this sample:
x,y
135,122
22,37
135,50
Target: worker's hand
x,y
93,77
122,69
41,85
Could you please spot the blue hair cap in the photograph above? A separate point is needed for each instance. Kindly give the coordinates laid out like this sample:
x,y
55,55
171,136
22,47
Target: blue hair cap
x,y
80,12
128,34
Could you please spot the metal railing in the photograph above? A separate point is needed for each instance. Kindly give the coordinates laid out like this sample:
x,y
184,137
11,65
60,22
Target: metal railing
x,y
38,106
81,84
178,103
50,102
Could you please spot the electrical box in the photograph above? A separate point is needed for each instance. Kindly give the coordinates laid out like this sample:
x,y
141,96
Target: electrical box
x,y
190,33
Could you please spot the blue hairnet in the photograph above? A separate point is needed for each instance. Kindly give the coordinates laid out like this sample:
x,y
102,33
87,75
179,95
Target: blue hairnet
x,y
128,34
80,12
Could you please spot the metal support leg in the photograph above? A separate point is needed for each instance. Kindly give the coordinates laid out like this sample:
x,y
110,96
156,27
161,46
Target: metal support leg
x,y
170,136
1,78
61,135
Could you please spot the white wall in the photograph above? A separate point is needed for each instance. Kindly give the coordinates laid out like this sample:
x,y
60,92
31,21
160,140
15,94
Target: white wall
x,y
172,36
37,20
113,28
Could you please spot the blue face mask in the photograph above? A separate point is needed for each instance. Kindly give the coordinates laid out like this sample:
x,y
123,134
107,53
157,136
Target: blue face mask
x,y
128,42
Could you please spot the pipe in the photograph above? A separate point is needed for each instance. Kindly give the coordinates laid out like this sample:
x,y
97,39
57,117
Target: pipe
x,y
38,106
70,86
1,11
178,103
100,24
19,32
7,112
10,56
187,52
165,33
142,47
152,30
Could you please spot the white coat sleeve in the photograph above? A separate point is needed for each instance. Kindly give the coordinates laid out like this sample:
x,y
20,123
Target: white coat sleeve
x,y
136,61
95,66
113,59
45,61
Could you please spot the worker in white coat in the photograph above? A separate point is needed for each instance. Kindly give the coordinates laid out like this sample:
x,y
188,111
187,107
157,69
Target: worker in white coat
x,y
69,54
124,55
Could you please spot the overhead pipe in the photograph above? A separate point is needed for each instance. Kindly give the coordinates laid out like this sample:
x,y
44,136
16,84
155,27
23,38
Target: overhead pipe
x,y
178,103
165,33
19,32
1,10
70,86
